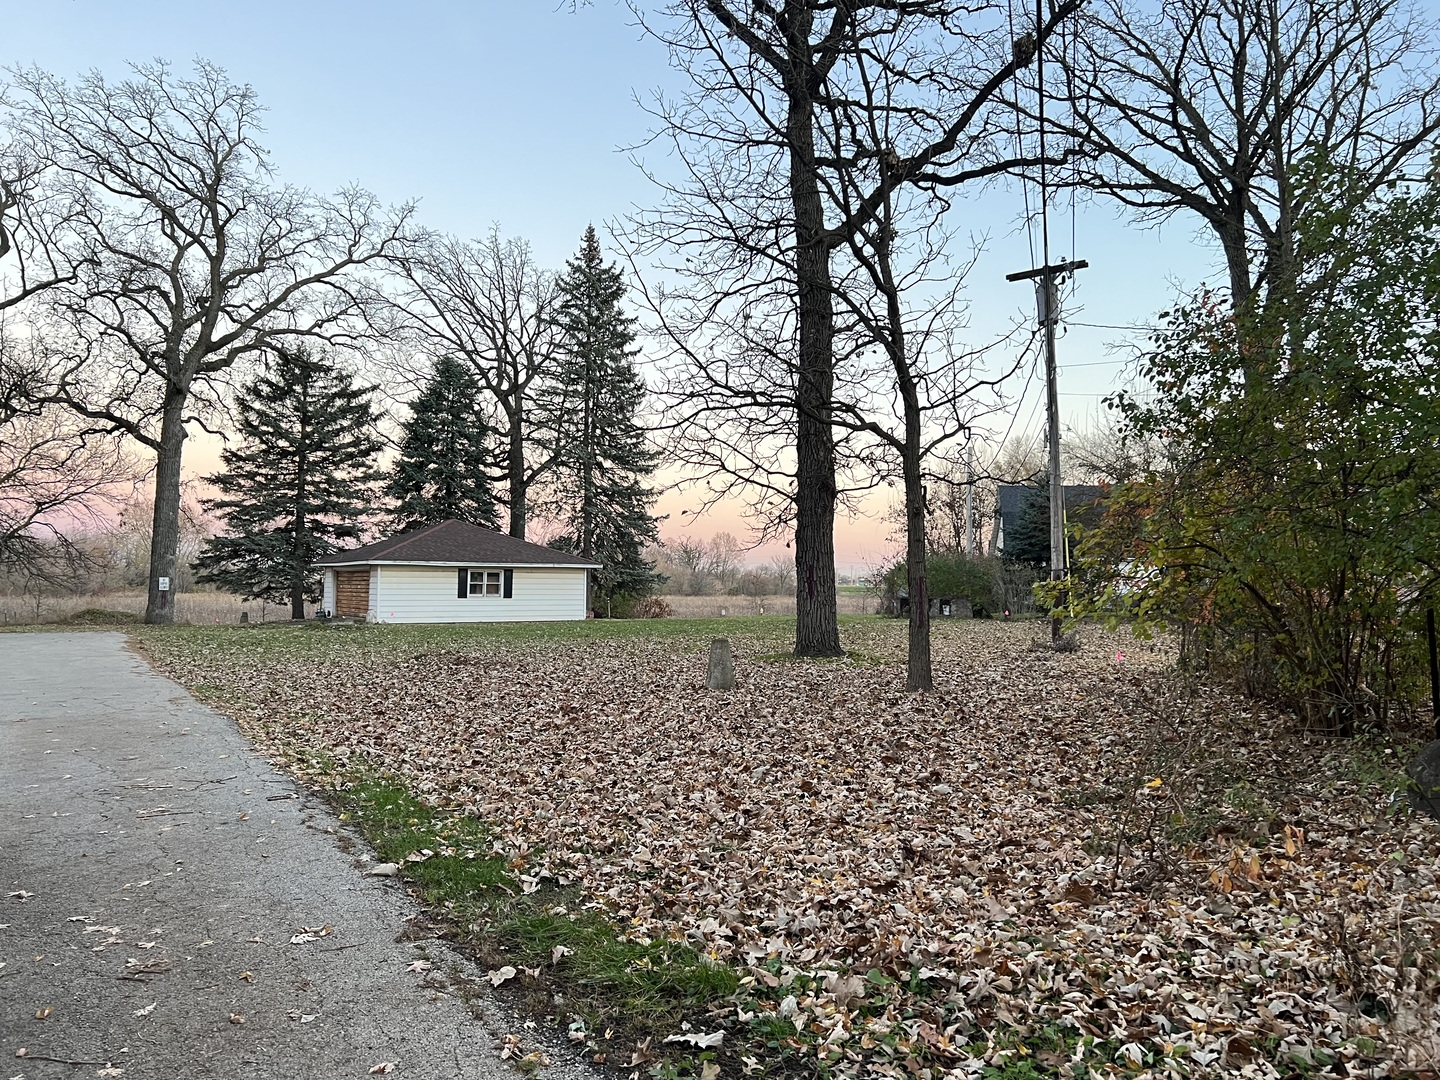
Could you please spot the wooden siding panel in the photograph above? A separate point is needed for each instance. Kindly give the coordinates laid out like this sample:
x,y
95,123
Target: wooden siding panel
x,y
427,594
352,593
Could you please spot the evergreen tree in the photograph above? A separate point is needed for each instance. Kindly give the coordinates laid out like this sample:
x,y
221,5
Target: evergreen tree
x,y
442,469
606,458
302,479
1028,542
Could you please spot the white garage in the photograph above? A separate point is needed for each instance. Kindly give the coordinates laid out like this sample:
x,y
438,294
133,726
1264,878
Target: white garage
x,y
455,572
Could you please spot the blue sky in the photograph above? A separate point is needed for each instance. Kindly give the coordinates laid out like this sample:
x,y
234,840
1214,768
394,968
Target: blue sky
x,y
515,114
487,112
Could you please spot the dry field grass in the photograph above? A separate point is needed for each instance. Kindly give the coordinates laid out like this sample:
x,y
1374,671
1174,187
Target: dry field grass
x,y
193,608
1055,865
710,607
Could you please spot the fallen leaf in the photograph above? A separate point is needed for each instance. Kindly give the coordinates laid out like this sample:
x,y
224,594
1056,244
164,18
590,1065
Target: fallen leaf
x,y
384,869
383,1067
499,975
419,965
705,1042
972,841
237,1018
147,1010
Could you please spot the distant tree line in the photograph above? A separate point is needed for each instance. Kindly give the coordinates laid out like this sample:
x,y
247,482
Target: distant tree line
x,y
718,566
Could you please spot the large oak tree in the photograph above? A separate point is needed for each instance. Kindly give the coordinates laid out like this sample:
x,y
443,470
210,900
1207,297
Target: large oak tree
x,y
783,214
189,256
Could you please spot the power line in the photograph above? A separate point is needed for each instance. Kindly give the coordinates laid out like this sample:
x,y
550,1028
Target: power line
x,y
1114,326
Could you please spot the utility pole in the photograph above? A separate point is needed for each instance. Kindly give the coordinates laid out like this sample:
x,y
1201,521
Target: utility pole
x,y
1047,277
1047,280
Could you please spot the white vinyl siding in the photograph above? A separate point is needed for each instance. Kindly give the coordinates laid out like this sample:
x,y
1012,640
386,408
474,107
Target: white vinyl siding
x,y
418,594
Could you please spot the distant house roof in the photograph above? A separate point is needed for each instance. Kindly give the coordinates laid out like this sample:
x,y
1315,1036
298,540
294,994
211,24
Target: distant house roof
x,y
1011,501
456,543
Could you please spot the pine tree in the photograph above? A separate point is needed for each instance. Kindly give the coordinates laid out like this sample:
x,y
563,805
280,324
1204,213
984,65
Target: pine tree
x,y
1028,541
442,472
302,478
607,458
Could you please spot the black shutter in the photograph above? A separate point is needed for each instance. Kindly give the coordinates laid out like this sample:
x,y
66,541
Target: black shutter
x,y
464,583
509,585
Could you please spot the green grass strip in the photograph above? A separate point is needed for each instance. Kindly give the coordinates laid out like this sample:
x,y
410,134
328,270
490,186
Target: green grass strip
x,y
635,989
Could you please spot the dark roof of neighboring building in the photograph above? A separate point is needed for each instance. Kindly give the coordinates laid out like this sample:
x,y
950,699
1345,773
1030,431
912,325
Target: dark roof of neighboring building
x,y
457,543
1012,499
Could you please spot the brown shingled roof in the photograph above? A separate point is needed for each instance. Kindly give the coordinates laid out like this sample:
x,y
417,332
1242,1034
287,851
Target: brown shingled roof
x,y
457,543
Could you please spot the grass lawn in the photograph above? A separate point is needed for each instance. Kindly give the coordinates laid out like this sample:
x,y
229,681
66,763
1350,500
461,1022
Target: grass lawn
x,y
1054,864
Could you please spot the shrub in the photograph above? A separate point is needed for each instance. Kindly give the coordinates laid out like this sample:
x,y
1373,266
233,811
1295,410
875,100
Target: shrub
x,y
651,607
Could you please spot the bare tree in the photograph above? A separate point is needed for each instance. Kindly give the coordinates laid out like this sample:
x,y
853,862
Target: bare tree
x,y
781,569
725,559
31,215
1211,106
188,256
683,561
1108,454
807,121
56,476
486,304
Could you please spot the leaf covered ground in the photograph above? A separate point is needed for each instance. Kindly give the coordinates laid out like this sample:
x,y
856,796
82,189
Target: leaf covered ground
x,y
1067,864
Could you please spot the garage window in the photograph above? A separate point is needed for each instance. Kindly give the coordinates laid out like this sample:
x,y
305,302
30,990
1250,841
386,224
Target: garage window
x,y
486,583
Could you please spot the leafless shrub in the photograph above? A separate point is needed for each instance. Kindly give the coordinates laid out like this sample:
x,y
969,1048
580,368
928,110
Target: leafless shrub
x,y
652,607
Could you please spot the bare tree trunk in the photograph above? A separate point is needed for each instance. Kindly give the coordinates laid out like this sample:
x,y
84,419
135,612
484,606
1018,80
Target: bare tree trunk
x,y
515,466
165,525
918,674
302,491
817,627
297,572
587,468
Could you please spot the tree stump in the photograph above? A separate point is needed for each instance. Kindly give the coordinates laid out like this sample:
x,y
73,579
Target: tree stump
x,y
721,672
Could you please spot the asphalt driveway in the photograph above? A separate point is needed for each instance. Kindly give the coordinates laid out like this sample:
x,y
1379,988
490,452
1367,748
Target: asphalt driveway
x,y
171,906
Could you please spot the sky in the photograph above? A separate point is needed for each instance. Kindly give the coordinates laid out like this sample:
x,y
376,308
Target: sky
x,y
519,114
